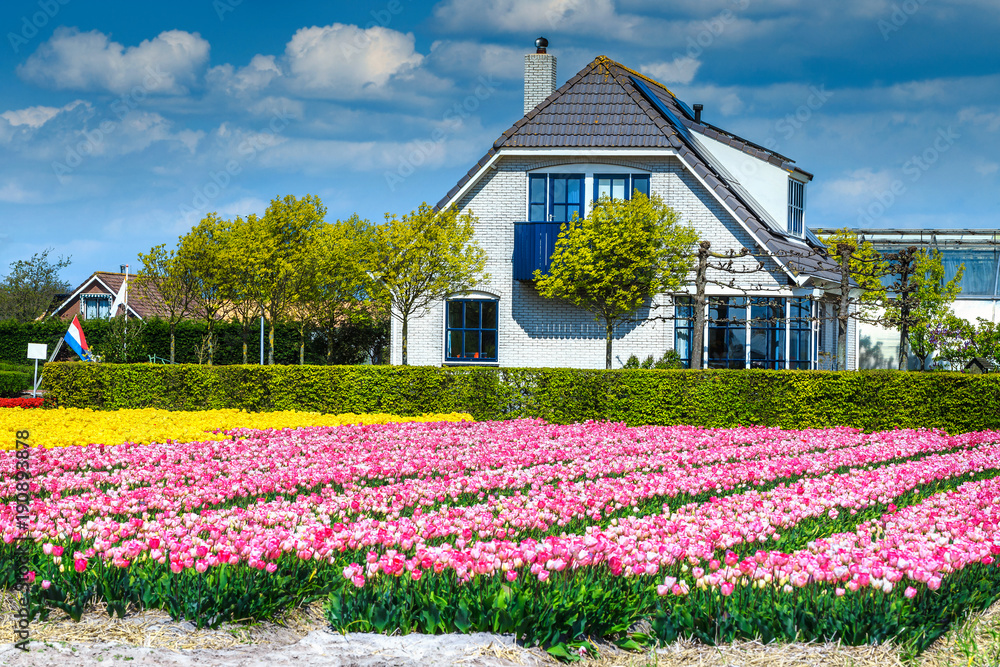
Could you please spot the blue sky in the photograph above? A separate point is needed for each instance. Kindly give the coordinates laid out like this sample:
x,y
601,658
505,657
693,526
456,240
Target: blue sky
x,y
123,123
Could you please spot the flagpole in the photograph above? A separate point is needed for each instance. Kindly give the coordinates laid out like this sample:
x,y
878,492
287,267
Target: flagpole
x,y
125,356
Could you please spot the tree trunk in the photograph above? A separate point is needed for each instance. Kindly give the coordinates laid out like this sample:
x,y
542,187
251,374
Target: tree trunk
x,y
609,331
905,267
211,343
845,251
405,322
172,341
700,282
302,344
244,351
270,344
329,345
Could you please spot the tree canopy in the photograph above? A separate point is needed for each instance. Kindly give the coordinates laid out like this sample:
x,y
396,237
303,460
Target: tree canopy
x,y
28,290
618,258
421,257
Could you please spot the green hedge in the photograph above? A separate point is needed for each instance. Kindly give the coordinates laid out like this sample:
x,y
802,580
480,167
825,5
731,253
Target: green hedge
x,y
350,343
13,383
869,400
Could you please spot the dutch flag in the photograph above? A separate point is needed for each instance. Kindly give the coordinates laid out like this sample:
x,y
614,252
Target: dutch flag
x,y
75,339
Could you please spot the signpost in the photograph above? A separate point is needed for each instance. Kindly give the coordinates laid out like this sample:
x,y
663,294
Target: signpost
x,y
36,351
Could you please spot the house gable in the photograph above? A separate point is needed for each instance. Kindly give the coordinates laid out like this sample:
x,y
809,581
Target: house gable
x,y
609,108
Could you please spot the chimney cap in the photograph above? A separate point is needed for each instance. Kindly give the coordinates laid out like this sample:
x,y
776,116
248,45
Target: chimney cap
x,y
540,44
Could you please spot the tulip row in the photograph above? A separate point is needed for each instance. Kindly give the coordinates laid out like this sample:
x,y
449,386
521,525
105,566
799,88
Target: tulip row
x,y
74,426
396,519
21,402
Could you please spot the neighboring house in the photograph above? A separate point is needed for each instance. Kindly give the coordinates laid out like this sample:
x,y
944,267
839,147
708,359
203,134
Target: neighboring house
x,y
978,250
93,299
610,130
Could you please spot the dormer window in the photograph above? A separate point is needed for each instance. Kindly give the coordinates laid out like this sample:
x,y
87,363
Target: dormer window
x,y
796,206
95,306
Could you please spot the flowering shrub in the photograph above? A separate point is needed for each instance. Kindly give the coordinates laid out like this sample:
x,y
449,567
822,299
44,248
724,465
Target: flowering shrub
x,y
21,402
75,426
554,533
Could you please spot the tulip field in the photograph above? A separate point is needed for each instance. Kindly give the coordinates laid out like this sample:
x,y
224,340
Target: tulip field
x,y
558,534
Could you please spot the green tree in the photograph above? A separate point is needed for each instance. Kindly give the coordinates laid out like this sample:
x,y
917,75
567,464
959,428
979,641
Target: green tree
x,y
276,250
862,265
336,295
618,258
239,280
200,255
422,257
932,300
918,295
164,274
29,288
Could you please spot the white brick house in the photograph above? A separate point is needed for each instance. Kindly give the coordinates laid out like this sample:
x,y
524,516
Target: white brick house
x,y
610,130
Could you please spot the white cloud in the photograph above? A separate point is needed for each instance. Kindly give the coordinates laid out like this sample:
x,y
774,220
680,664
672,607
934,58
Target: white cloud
x,y
167,64
856,187
681,69
985,168
344,61
35,117
530,16
13,193
977,116
254,77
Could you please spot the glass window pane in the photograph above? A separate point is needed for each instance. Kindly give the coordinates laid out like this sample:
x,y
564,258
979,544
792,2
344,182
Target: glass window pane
x,y
603,187
682,343
471,314
573,191
618,188
455,314
489,345
490,315
716,343
471,344
537,213
559,190
979,277
641,183
736,346
454,344
559,214
537,192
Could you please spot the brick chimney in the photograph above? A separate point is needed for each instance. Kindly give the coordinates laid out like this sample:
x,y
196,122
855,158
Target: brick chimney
x,y
539,75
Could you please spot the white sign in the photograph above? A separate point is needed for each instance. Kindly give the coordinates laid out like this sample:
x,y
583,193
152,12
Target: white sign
x,y
38,350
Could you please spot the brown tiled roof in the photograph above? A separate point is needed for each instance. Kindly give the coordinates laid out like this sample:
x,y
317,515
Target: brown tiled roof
x,y
601,107
144,301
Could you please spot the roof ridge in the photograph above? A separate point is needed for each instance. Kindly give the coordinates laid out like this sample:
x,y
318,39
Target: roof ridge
x,y
604,60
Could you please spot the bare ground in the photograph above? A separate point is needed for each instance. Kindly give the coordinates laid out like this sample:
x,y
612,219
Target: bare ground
x,y
302,639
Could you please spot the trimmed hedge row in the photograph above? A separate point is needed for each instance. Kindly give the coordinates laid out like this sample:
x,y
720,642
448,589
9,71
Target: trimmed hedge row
x,y
13,383
350,345
869,400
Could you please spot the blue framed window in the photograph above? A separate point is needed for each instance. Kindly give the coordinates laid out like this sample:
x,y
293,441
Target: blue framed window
x,y
796,206
727,332
620,186
767,333
799,333
471,330
555,197
96,307
684,327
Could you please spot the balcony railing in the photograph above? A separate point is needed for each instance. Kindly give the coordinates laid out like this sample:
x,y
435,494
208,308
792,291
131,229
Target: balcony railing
x,y
534,243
